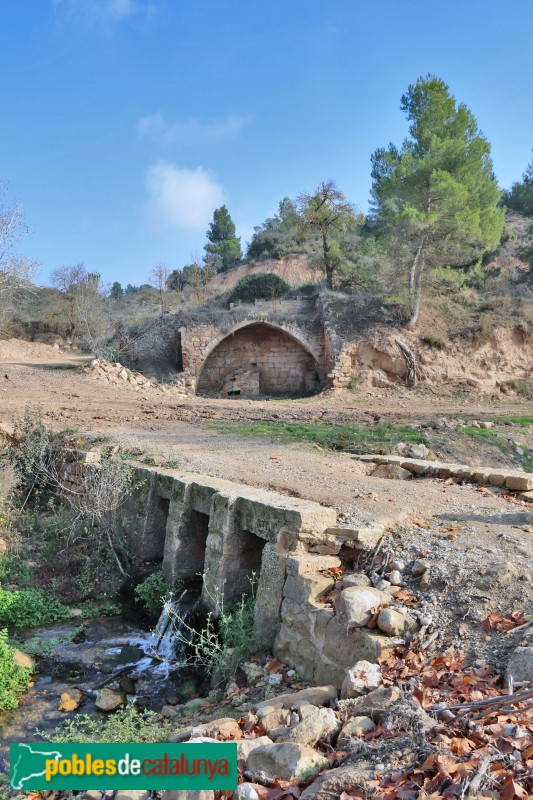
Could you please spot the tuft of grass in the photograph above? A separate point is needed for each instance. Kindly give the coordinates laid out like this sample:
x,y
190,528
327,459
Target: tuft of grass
x,y
360,438
433,341
521,386
522,421
61,366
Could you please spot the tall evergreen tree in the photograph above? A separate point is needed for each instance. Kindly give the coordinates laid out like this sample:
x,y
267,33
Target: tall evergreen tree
x,y
437,194
223,243
520,198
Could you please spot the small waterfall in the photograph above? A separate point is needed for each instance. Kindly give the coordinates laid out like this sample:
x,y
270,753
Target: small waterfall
x,y
168,641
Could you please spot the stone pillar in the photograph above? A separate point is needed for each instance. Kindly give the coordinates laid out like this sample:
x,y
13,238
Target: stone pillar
x,y
178,543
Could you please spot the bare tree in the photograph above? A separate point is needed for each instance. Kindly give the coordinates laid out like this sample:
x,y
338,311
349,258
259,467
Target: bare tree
x,y
16,271
158,279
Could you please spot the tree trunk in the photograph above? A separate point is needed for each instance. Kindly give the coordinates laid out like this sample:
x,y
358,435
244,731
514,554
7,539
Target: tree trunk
x,y
327,261
412,274
415,310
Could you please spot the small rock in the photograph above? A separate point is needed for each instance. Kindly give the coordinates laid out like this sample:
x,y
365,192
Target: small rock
x,y
354,605
169,712
132,794
305,710
362,678
75,612
274,719
246,791
391,622
108,700
23,660
397,564
419,567
395,577
425,579
284,761
392,590
355,727
358,579
70,700
188,794
391,472
383,585
128,685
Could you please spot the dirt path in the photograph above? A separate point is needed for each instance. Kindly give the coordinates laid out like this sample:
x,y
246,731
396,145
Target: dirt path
x,y
174,428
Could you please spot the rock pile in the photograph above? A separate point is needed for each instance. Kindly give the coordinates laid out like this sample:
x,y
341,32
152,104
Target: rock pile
x,y
116,373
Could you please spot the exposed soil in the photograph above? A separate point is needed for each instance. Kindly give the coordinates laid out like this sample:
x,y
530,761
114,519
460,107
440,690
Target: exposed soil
x,y
175,428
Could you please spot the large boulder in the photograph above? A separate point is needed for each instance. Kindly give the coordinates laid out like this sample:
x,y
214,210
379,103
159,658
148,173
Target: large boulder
x,y
245,746
318,727
372,705
391,472
108,700
284,761
316,695
354,605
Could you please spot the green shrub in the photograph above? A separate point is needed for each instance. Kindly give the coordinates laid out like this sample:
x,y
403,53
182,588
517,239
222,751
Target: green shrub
x,y
221,644
122,727
14,680
32,456
354,383
261,286
29,607
152,592
521,386
433,341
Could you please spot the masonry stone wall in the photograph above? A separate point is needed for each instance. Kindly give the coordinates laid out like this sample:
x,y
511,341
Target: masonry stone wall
x,y
222,530
226,532
281,365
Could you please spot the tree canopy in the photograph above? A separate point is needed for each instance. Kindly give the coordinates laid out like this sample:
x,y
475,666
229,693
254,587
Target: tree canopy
x,y
437,194
278,236
327,212
520,196
224,244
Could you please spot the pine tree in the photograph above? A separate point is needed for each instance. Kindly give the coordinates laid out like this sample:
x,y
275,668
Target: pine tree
x,y
437,194
520,198
224,245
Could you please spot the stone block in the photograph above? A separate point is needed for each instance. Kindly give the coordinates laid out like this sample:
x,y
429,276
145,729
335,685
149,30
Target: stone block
x,y
354,605
519,482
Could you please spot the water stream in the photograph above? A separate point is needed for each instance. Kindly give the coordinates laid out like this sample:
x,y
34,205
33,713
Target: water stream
x,y
113,646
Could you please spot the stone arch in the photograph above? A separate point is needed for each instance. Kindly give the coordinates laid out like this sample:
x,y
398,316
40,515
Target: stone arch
x,y
259,358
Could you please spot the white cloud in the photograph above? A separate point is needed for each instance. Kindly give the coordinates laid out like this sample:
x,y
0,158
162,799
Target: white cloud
x,y
99,12
180,198
188,131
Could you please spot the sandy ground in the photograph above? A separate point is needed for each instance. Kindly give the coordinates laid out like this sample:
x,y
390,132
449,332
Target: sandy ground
x,y
176,428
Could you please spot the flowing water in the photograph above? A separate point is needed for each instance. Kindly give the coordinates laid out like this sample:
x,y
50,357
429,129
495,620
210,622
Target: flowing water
x,y
113,646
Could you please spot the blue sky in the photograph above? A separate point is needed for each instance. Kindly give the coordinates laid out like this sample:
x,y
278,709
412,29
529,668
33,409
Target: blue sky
x,y
126,122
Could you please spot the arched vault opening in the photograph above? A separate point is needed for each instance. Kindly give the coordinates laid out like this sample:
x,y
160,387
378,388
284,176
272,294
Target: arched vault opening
x,y
259,359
